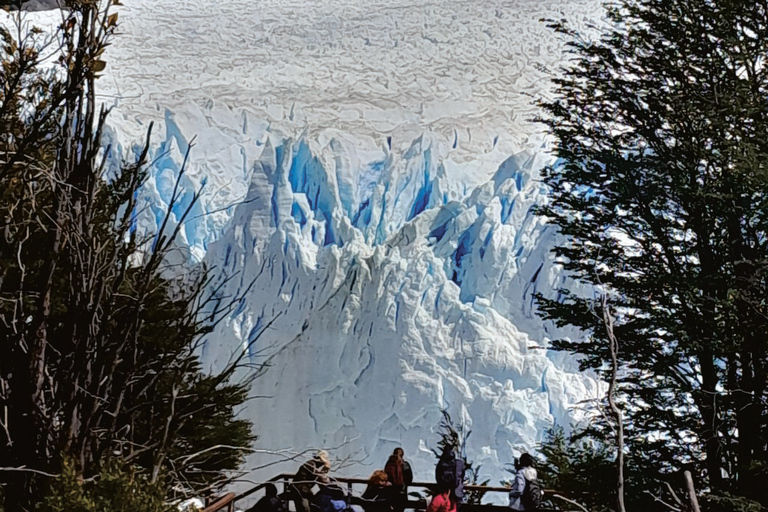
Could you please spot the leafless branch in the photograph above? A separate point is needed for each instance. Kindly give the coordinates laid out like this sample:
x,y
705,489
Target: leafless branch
x,y
29,470
185,459
571,502
660,501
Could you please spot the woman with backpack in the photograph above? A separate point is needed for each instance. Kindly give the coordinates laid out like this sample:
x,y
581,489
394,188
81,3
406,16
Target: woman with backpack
x,y
526,491
449,474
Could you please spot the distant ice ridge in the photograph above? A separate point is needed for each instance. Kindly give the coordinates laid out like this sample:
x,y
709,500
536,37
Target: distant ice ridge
x,y
397,284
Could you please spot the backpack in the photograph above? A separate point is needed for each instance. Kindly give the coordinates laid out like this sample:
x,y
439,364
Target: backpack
x,y
446,473
532,494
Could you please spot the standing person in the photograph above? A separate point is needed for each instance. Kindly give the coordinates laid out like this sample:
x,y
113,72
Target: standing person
x,y
449,474
526,491
311,472
378,494
400,475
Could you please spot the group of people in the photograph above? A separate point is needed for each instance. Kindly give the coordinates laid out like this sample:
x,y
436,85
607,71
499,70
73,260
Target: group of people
x,y
525,494
387,489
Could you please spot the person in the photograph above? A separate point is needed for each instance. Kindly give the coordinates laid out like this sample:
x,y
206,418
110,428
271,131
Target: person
x,y
271,502
400,475
330,498
311,472
378,495
442,502
449,474
526,474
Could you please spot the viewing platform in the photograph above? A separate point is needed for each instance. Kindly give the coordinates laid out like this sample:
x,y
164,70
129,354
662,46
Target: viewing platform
x,y
356,486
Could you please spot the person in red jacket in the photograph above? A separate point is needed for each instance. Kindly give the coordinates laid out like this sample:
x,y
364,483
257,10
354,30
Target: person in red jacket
x,y
442,502
400,476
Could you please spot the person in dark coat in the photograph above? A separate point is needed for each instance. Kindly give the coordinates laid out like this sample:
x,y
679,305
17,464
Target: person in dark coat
x,y
271,502
378,495
449,474
330,498
400,476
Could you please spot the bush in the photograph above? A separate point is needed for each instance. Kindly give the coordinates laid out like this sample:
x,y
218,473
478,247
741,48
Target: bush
x,y
118,488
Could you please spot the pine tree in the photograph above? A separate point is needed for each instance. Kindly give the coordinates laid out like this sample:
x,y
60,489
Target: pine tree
x,y
582,469
98,339
660,191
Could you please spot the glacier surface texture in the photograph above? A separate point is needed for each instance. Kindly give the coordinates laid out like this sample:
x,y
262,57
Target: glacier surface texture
x,y
368,172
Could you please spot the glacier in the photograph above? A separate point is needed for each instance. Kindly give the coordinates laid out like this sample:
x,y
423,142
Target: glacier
x,y
378,292
368,174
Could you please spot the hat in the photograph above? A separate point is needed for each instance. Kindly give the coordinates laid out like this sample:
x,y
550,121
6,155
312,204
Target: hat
x,y
322,456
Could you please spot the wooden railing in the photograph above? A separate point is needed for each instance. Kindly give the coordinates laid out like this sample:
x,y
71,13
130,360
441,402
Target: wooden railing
x,y
228,501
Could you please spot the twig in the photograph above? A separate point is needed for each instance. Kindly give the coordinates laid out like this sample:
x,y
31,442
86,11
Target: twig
x,y
659,500
574,503
29,470
186,459
673,494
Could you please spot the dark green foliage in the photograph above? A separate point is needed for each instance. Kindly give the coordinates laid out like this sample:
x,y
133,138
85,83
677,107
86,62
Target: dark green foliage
x,y
98,344
452,436
725,502
661,129
118,488
583,469
472,477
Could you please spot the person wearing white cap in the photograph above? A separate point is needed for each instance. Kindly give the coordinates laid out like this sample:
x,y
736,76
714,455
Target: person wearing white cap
x,y
311,472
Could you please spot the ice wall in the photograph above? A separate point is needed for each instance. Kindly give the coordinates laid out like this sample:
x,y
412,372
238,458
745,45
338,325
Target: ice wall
x,y
378,292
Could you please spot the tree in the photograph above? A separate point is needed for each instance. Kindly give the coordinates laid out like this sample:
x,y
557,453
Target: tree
x,y
582,470
661,135
99,324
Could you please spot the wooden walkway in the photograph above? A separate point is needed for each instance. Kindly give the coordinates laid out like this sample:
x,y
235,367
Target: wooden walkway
x,y
228,502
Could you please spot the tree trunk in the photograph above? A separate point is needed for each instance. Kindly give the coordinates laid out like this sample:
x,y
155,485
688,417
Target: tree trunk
x,y
614,409
707,403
